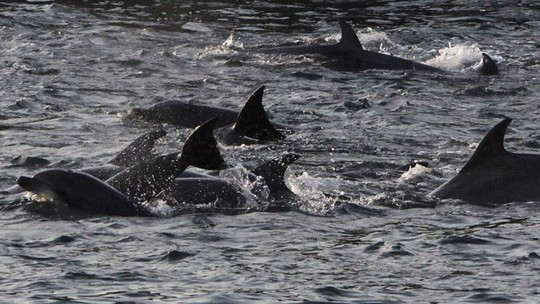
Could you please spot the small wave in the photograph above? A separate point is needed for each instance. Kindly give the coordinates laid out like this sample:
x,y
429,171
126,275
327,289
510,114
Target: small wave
x,y
479,91
176,255
396,250
467,239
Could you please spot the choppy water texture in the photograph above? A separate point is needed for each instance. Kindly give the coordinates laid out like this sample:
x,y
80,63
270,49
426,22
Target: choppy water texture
x,y
69,69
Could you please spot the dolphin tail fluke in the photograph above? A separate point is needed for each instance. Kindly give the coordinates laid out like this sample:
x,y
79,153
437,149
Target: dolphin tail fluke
x,y
273,172
201,150
491,146
139,150
253,121
349,40
489,67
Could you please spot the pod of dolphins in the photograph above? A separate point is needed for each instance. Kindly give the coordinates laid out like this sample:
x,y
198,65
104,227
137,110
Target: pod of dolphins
x,y
136,179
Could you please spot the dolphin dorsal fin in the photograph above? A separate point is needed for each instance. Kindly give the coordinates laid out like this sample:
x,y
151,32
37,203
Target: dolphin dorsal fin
x,y
490,147
145,180
253,122
201,148
273,171
489,67
139,150
349,40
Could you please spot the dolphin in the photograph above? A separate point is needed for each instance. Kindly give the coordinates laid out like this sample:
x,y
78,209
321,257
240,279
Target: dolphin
x,y
267,185
145,180
494,175
140,150
123,194
350,54
81,191
489,67
251,122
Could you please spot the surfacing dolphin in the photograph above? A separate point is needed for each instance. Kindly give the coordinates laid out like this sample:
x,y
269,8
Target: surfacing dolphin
x,y
122,194
268,187
494,175
234,127
351,55
140,150
194,188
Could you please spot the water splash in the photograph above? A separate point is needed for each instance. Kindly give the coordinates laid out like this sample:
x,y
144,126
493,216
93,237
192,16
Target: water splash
x,y
413,172
458,57
310,191
160,208
231,46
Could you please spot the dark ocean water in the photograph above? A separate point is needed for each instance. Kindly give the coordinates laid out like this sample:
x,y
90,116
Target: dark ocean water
x,y
70,69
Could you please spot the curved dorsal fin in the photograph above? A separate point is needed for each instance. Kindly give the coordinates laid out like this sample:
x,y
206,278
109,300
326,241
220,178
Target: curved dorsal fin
x,y
349,40
139,150
490,147
489,67
253,122
201,148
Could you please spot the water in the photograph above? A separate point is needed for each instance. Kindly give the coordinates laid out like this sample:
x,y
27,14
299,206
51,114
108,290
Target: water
x,y
69,70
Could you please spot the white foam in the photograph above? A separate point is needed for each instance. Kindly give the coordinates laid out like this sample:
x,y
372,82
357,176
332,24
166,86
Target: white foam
x,y
414,172
311,190
230,46
160,208
45,197
457,57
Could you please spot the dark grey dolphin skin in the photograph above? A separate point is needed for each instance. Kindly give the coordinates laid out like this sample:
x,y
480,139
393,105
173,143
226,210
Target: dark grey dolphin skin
x,y
182,114
221,193
251,122
271,173
145,180
83,192
122,194
139,150
351,55
489,67
494,175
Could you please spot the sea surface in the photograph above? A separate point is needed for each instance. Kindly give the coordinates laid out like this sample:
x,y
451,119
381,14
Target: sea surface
x,y
70,70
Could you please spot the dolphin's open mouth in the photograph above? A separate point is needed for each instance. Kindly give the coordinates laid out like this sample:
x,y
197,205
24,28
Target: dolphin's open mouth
x,y
39,191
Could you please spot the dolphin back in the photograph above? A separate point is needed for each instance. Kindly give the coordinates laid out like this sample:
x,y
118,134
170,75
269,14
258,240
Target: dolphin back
x,y
139,150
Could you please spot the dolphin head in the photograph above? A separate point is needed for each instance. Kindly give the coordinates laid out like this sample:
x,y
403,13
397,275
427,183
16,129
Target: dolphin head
x,y
57,184
81,191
